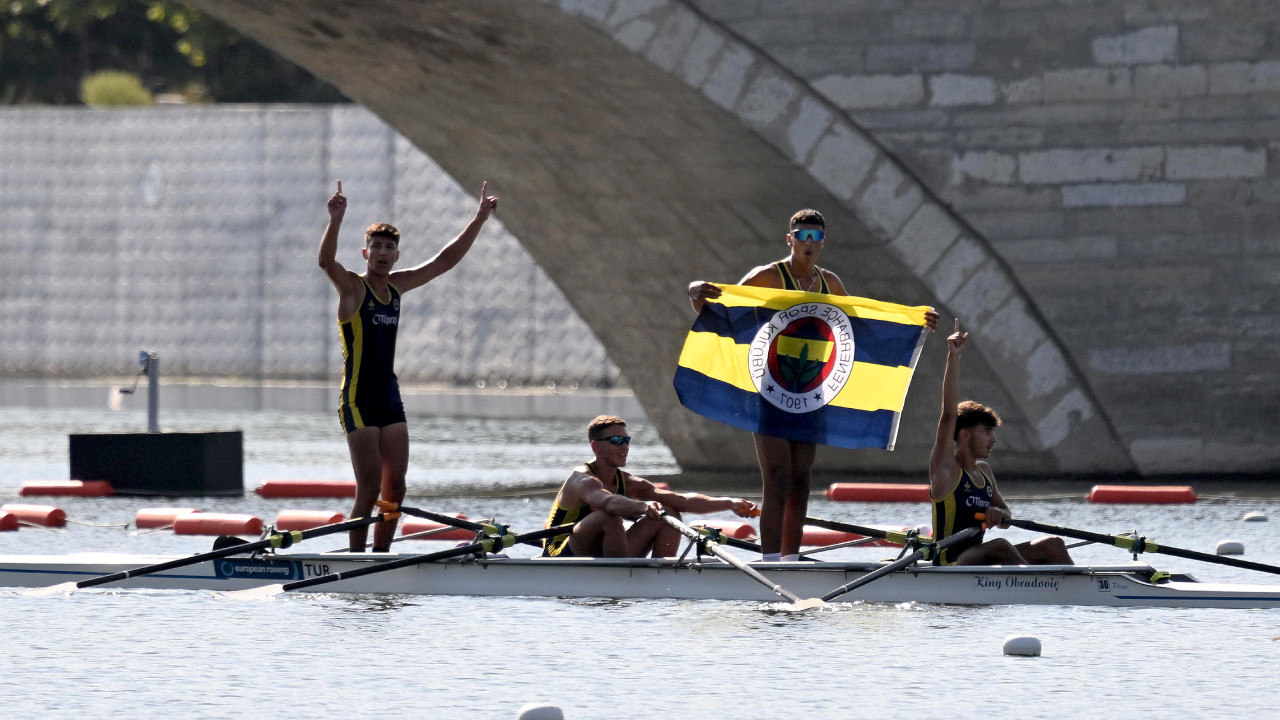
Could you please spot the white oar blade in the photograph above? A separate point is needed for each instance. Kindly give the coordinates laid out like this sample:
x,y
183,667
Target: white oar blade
x,y
805,605
255,593
58,589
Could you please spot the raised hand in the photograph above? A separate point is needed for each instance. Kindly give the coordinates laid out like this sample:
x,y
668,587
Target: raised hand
x,y
338,205
488,203
957,340
700,290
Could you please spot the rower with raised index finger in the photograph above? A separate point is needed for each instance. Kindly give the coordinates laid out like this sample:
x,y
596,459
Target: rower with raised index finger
x,y
600,495
370,408
962,484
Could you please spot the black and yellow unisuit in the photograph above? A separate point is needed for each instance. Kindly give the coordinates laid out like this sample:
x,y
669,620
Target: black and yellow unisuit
x,y
558,546
370,393
955,512
789,280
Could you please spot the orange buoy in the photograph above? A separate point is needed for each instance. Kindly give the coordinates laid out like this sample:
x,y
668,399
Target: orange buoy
x,y
8,521
732,528
307,488
306,519
878,492
1150,494
818,536
200,523
412,525
46,515
83,488
159,517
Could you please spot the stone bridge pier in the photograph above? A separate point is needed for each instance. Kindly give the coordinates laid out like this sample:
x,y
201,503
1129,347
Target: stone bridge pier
x,y
1088,185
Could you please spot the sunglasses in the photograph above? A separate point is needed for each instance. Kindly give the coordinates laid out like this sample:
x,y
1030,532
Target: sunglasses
x,y
616,439
808,235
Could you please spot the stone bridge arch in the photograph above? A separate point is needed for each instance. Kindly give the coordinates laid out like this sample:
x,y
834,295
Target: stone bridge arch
x,y
642,144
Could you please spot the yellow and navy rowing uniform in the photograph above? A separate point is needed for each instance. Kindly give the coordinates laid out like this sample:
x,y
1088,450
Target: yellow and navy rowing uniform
x,y
558,546
955,512
370,393
789,280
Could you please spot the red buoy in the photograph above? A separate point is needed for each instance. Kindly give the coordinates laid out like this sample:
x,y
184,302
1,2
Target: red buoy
x,y
1149,494
200,523
732,528
159,517
8,521
82,488
294,488
413,525
306,519
46,515
878,492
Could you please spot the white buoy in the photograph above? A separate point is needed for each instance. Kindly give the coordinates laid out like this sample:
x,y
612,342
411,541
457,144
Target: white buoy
x,y
540,711
1022,645
1255,516
1229,547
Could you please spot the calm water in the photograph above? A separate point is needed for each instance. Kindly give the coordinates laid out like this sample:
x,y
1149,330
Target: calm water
x,y
154,655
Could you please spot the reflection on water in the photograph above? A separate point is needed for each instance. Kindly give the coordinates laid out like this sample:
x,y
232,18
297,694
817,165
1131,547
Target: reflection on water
x,y
154,655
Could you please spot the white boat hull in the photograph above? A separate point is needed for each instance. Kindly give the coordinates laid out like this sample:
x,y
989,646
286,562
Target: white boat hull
x,y
648,578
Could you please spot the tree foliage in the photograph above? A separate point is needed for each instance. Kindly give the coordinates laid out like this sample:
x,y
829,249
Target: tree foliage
x,y
48,46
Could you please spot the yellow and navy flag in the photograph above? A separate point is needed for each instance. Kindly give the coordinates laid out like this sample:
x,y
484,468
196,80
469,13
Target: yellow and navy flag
x,y
828,369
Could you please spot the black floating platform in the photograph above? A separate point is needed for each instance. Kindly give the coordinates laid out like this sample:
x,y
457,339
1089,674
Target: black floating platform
x,y
164,463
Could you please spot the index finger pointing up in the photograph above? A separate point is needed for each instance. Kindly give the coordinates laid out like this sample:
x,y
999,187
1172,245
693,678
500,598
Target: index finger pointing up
x,y
339,187
957,324
484,190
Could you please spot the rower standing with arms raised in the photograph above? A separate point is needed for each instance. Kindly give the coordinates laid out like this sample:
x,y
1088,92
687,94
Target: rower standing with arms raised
x,y
785,464
962,484
370,407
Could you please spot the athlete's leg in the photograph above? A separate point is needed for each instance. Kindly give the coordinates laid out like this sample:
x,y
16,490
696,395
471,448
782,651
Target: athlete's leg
x,y
599,535
774,456
394,449
366,460
992,552
647,535
1047,550
797,505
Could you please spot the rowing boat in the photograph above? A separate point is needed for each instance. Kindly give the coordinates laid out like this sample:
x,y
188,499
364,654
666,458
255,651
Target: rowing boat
x,y
703,578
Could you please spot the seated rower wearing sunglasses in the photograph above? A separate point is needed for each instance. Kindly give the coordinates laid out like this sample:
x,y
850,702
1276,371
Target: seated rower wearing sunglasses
x,y
599,495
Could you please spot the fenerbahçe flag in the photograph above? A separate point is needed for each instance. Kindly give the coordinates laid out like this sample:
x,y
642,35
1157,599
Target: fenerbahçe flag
x,y
805,366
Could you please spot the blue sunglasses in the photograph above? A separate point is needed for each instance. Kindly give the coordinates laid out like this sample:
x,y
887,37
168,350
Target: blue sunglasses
x,y
616,439
808,235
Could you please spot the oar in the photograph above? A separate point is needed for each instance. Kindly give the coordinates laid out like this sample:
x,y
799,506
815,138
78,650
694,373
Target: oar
x,y
485,528
275,540
896,536
1140,545
488,545
712,546
927,550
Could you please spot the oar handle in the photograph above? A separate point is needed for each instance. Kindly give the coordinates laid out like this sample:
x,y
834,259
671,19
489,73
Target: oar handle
x,y
846,527
276,540
487,545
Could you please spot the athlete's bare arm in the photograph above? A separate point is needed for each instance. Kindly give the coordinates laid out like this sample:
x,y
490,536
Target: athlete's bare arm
x,y
588,489
694,503
452,253
350,288
944,470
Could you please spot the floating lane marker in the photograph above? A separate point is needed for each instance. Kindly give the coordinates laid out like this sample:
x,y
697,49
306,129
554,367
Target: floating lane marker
x,y
731,528
1255,517
1137,494
413,526
159,517
46,515
294,488
8,521
878,492
540,711
83,488
216,524
306,519
1229,547
1024,645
